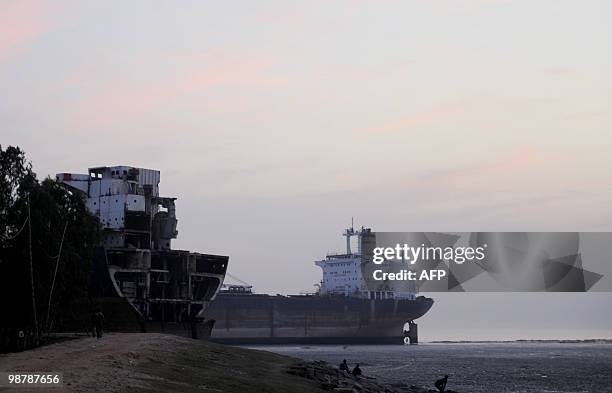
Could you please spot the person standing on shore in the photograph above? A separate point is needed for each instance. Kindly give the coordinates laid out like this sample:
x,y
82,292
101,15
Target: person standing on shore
x,y
97,320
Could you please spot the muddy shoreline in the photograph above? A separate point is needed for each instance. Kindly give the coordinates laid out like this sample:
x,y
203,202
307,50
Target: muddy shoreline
x,y
152,362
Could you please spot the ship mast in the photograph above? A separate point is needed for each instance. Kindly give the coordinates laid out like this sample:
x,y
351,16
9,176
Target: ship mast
x,y
350,232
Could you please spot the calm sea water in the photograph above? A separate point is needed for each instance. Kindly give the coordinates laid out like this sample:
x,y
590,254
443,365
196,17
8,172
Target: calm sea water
x,y
490,367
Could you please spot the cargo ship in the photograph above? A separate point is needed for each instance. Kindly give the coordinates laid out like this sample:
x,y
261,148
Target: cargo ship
x,y
137,280
344,310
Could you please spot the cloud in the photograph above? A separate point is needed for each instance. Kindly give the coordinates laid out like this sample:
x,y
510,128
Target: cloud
x,y
420,119
453,4
22,22
117,93
513,162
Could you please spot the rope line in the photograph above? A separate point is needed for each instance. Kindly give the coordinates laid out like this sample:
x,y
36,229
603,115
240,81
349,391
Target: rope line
x,y
18,232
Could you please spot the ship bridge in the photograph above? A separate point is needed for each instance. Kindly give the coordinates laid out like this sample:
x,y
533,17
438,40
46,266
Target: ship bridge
x,y
342,274
127,203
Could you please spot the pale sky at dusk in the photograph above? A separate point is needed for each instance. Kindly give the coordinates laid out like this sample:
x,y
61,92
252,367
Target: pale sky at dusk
x,y
275,122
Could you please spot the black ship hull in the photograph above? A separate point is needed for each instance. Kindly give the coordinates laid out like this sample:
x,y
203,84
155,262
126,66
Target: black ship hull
x,y
142,290
244,319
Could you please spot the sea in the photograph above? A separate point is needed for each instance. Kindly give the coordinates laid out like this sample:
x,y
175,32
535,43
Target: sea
x,y
512,367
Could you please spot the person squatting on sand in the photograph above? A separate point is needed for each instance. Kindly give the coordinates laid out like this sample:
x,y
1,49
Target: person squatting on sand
x,y
344,367
441,384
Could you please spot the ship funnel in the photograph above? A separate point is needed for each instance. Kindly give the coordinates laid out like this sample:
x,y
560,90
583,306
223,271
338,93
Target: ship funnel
x,y
348,243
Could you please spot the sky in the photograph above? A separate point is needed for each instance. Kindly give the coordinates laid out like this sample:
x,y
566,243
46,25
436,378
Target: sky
x,y
275,122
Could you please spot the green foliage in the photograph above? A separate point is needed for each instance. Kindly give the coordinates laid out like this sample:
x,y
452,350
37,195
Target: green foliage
x,y
16,180
52,208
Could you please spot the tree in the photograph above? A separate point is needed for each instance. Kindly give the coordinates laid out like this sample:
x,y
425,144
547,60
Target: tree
x,y
58,218
16,180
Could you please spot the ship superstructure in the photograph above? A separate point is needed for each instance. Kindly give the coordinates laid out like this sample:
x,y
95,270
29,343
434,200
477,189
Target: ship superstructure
x,y
342,274
137,277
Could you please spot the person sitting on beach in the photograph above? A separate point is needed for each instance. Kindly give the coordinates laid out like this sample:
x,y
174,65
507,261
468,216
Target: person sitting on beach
x,y
357,370
441,384
343,366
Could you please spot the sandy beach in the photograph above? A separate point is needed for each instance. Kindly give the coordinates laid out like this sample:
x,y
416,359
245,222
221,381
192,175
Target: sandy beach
x,y
165,363
157,362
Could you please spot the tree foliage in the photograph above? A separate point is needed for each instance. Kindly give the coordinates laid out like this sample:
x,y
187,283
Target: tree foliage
x,y
52,208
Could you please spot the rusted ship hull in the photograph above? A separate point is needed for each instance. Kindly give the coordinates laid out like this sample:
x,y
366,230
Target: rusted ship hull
x,y
149,290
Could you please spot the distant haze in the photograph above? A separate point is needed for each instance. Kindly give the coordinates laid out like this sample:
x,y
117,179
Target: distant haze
x,y
275,123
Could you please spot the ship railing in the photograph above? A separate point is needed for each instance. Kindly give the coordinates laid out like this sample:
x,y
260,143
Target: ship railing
x,y
341,255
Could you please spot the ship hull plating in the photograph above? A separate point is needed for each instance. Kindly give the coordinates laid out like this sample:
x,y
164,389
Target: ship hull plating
x,y
150,291
264,319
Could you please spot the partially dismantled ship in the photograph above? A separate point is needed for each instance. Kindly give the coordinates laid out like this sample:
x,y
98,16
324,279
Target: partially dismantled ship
x,y
344,311
138,280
